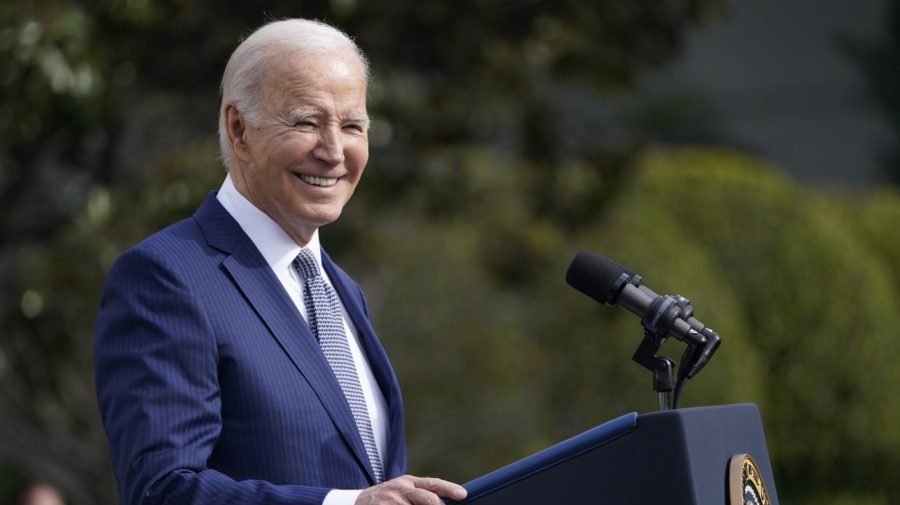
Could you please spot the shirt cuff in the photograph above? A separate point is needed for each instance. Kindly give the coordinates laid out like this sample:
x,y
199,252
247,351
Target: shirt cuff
x,y
341,497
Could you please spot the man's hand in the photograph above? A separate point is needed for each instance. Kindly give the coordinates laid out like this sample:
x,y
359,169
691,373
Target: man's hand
x,y
409,490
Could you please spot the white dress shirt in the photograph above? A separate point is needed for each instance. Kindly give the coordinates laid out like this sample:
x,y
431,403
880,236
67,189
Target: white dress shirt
x,y
279,251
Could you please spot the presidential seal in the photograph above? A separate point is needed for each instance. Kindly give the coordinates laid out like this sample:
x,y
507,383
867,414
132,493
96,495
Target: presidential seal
x,y
745,482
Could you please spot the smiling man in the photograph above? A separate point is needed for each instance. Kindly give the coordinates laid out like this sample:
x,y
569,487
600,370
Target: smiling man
x,y
235,362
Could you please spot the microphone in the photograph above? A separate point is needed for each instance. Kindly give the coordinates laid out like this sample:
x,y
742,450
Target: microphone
x,y
610,283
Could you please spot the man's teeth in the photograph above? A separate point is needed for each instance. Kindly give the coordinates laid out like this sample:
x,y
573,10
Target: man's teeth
x,y
318,181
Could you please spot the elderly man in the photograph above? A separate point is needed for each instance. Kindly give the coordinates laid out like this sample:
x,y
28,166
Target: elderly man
x,y
235,362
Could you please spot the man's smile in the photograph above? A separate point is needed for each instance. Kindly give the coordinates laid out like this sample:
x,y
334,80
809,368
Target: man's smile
x,y
317,181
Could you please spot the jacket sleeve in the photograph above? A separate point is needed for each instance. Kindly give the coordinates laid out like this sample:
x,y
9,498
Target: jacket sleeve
x,y
157,386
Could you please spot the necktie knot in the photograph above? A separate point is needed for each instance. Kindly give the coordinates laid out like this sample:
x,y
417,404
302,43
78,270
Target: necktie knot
x,y
306,264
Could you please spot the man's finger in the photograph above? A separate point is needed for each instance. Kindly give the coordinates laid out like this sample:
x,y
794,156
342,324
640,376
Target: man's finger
x,y
421,496
441,487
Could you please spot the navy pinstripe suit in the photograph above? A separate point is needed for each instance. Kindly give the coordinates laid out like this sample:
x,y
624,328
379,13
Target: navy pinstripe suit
x,y
211,387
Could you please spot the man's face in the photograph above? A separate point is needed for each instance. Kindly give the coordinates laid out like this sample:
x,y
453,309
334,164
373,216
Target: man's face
x,y
302,161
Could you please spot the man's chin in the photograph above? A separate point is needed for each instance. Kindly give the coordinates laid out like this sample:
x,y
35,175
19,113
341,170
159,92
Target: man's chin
x,y
315,220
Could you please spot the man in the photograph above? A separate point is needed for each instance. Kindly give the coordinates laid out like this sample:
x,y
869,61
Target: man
x,y
41,494
235,362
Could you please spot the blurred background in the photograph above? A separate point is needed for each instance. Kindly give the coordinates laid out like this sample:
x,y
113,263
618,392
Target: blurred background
x,y
743,154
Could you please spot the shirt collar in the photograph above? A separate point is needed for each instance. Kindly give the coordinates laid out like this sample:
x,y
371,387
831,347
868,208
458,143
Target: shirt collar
x,y
276,246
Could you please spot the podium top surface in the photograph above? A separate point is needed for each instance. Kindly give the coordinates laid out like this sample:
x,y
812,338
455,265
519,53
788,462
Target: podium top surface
x,y
688,451
552,455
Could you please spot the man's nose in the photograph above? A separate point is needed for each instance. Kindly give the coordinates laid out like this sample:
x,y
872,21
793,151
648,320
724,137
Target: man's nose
x,y
330,147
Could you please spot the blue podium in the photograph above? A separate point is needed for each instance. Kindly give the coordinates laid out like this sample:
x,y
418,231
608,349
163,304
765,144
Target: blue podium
x,y
676,457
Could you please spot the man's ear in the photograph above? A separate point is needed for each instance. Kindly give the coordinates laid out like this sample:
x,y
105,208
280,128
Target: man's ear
x,y
235,125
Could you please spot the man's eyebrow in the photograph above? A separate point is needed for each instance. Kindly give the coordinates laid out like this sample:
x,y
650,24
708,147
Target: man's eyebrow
x,y
360,117
301,115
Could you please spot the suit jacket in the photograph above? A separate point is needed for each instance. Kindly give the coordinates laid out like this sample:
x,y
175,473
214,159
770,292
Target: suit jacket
x,y
212,389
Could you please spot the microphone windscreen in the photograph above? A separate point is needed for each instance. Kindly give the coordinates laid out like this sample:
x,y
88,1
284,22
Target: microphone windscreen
x,y
596,276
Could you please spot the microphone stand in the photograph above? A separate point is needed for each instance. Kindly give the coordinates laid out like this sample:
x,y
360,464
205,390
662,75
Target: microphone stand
x,y
663,382
663,368
657,322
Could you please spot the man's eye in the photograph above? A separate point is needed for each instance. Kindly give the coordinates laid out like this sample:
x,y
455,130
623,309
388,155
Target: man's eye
x,y
305,124
354,127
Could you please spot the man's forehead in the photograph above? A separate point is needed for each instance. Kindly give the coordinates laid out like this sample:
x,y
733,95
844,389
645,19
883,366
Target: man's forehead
x,y
343,65
306,83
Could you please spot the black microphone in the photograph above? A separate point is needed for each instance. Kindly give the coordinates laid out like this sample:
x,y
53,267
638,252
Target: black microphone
x,y
610,283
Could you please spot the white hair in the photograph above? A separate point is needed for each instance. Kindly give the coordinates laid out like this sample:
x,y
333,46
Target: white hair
x,y
269,44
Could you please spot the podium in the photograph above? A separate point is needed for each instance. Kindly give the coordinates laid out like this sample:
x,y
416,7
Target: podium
x,y
676,457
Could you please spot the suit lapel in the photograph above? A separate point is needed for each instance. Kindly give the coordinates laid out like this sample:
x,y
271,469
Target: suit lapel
x,y
262,289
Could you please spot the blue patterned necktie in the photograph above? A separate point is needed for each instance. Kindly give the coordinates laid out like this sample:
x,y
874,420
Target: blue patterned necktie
x,y
325,320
